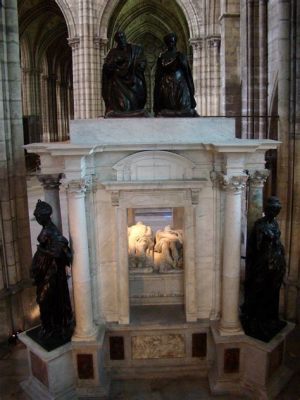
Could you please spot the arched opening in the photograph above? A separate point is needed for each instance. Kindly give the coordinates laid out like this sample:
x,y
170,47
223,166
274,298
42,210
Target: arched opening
x,y
146,23
46,62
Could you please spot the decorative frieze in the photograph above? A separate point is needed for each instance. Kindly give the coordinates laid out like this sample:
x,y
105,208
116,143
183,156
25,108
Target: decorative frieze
x,y
158,346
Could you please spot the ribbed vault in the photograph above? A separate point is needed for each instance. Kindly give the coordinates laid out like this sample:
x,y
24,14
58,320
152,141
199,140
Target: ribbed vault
x,y
46,61
146,22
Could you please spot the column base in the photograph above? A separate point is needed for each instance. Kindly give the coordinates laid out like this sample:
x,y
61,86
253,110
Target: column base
x,y
92,381
244,365
230,330
90,338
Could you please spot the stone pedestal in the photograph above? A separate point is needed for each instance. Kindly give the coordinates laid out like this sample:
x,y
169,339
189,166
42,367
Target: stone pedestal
x,y
154,163
92,381
244,365
52,375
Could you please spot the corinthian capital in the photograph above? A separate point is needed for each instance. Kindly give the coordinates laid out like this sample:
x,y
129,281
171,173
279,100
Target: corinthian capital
x,y
78,186
50,181
258,177
233,183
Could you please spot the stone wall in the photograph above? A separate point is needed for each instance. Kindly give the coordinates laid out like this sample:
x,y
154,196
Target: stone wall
x,y
14,228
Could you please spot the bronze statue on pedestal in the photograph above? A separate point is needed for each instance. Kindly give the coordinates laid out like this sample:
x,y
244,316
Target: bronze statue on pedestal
x,y
265,270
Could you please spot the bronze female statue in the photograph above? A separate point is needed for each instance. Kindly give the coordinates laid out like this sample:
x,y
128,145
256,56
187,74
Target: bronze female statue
x,y
49,273
174,87
265,270
123,81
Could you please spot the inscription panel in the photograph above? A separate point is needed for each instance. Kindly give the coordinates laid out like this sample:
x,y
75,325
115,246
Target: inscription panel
x,y
85,366
39,369
158,346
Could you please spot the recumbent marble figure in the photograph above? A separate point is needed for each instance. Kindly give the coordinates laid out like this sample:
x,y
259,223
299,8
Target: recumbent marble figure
x,y
165,254
265,270
123,81
48,270
140,246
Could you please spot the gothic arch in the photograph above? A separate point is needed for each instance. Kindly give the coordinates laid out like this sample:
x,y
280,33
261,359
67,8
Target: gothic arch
x,y
68,15
192,17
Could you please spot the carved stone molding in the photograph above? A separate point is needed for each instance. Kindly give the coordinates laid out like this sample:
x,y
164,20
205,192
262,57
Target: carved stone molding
x,y
100,43
195,196
74,42
50,181
115,198
258,178
214,42
196,43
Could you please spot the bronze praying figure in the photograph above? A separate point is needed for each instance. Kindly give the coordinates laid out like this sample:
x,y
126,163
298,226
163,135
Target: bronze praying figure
x,y
174,87
123,81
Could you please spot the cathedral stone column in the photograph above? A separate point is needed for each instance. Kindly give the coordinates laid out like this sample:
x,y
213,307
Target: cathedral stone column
x,y
197,44
214,43
257,180
233,186
101,44
85,328
51,183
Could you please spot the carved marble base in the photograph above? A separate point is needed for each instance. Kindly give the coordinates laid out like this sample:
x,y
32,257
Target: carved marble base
x,y
92,381
46,380
244,365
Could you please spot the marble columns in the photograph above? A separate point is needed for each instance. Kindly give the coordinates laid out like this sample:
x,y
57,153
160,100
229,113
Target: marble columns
x,y
51,183
85,329
233,185
257,180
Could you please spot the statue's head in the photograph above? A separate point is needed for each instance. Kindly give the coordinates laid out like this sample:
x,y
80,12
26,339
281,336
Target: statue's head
x,y
42,212
272,207
120,38
170,40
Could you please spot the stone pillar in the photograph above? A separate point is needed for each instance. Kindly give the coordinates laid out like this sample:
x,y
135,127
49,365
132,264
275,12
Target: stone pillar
x,y
214,46
85,329
52,101
263,68
196,44
45,109
257,180
51,183
233,185
101,43
229,61
74,44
